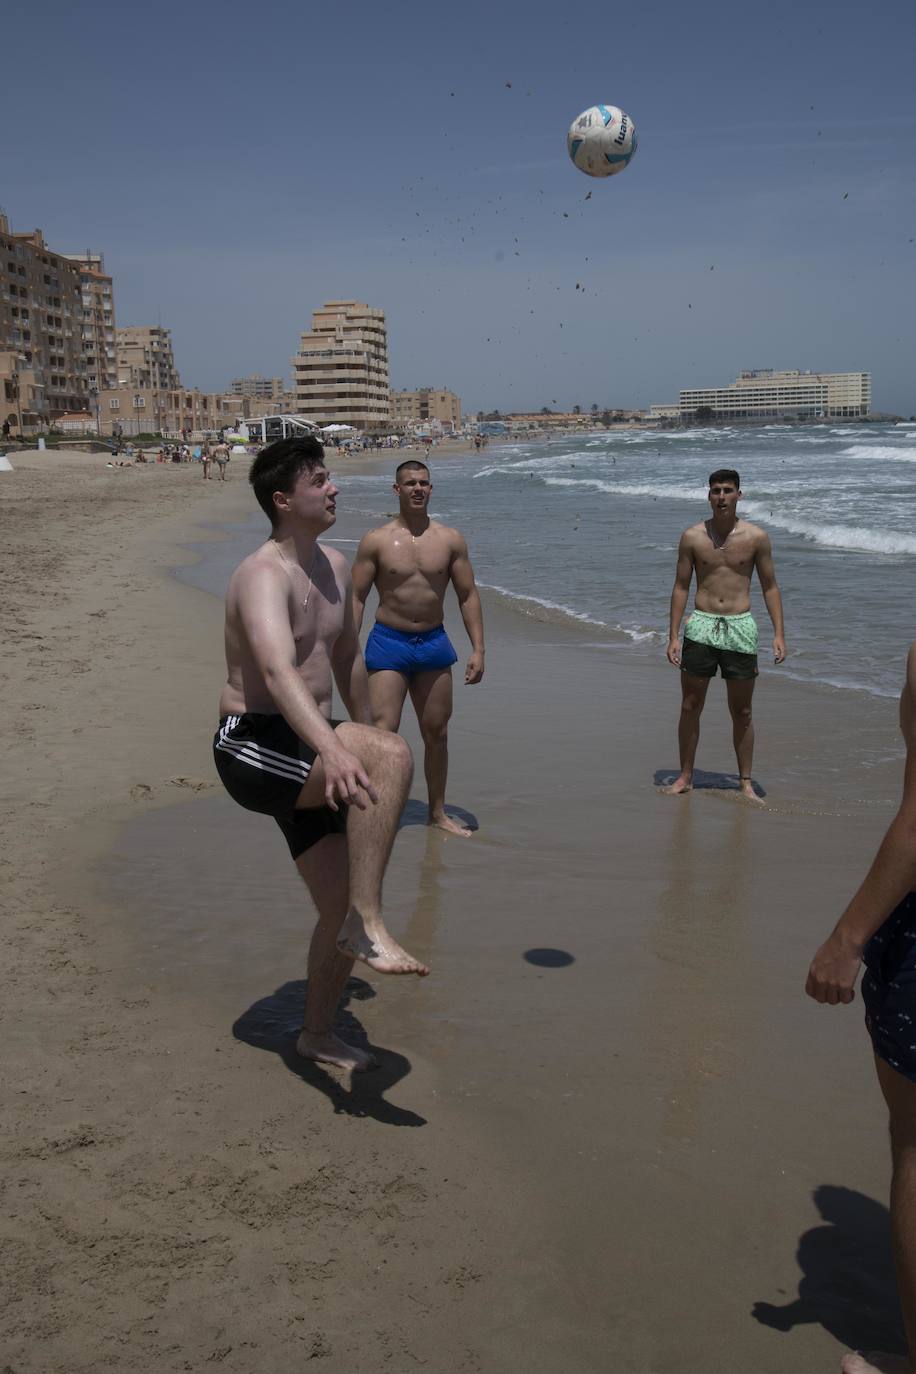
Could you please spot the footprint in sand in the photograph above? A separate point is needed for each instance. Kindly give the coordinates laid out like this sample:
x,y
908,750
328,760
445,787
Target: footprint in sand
x,y
141,792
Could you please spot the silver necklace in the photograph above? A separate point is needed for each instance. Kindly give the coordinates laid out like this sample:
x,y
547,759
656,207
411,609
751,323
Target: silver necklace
x,y
305,604
718,543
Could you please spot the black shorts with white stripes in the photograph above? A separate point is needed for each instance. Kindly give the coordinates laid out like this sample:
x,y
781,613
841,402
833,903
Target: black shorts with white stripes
x,y
263,765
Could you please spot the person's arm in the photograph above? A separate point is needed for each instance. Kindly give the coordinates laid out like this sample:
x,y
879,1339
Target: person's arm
x,y
892,875
462,575
363,575
679,594
771,595
347,661
264,612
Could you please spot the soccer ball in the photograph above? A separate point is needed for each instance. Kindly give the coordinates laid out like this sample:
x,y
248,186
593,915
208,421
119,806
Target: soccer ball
x,y
601,141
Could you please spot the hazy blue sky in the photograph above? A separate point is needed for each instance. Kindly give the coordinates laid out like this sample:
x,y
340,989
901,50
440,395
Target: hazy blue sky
x,y
240,164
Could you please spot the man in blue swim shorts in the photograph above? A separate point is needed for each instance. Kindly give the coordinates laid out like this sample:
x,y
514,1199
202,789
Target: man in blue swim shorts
x,y
878,928
411,561
721,632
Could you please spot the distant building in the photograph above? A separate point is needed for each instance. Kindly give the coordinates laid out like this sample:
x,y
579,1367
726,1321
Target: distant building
x,y
98,328
762,394
145,358
341,369
263,388
42,369
664,412
415,408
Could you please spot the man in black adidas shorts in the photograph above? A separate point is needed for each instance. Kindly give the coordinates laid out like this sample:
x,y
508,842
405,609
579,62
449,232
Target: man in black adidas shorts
x,y
336,790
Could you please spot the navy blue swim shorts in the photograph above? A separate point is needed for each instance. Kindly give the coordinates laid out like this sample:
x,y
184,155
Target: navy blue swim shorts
x,y
889,988
399,652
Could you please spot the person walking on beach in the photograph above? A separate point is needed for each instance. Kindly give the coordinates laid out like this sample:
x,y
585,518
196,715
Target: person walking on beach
x,y
221,455
721,633
411,562
878,929
335,789
205,459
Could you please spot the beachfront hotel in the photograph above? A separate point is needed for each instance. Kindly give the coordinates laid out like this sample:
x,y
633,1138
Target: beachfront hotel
x,y
341,370
416,408
762,394
42,367
98,330
145,358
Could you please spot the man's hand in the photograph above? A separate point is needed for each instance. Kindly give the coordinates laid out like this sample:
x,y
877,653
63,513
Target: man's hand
x,y
345,779
474,671
674,652
833,971
779,649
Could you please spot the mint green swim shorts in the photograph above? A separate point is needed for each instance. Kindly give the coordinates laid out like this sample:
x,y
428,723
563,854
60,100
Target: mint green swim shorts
x,y
725,642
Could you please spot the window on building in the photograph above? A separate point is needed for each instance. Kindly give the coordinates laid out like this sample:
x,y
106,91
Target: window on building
x,y
114,403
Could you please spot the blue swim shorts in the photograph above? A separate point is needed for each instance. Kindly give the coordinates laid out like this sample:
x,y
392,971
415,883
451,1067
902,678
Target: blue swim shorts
x,y
396,651
889,988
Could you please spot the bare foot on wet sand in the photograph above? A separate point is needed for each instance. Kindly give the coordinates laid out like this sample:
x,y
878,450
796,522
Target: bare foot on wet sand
x,y
376,948
873,1363
450,826
746,788
678,788
324,1047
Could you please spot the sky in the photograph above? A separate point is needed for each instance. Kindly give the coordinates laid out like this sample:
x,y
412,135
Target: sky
x,y
238,165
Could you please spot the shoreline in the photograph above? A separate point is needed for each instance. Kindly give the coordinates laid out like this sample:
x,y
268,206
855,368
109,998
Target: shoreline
x,y
566,1121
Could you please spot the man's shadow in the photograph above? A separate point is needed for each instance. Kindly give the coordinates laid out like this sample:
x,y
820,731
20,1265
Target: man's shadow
x,y
273,1023
848,1284
705,782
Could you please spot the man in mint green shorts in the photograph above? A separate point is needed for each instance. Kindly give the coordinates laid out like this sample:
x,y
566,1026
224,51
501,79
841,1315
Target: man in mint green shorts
x,y
721,633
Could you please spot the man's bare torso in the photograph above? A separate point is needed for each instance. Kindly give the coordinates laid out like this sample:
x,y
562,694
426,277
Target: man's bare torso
x,y
314,630
724,573
413,573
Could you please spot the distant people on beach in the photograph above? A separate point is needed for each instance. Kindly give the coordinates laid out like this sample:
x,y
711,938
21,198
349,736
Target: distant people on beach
x,y
411,561
221,458
878,929
205,458
721,633
336,789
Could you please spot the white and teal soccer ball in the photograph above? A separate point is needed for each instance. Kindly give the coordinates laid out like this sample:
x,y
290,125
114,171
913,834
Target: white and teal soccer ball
x,y
601,141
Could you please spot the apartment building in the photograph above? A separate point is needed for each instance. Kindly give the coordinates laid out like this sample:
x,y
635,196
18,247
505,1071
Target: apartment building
x,y
98,327
261,388
145,358
764,394
42,370
416,408
341,370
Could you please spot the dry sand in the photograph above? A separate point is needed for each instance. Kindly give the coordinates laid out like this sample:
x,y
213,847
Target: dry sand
x,y
598,1163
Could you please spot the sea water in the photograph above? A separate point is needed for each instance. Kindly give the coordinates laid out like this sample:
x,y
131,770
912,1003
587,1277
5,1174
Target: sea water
x,y
586,527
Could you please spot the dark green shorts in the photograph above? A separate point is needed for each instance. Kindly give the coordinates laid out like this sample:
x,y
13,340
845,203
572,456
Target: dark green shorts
x,y
702,660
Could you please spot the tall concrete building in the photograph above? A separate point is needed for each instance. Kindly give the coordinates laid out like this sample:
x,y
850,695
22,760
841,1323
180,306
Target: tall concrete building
x,y
341,370
762,394
145,358
98,328
42,370
420,407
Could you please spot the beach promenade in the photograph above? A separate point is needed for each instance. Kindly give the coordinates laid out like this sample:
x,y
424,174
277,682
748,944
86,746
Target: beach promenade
x,y
605,1128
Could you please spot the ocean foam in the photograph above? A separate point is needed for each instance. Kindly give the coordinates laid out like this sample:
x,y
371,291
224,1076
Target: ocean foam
x,y
566,612
882,452
857,540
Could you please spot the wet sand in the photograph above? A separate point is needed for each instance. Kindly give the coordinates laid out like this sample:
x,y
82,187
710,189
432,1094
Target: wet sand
x,y
602,1127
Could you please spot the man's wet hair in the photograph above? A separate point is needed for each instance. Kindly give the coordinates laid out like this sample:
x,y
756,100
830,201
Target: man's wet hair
x,y
725,475
278,466
409,465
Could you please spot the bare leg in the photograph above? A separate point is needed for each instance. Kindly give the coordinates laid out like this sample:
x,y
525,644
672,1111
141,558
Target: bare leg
x,y
387,694
370,836
739,705
693,699
431,694
325,871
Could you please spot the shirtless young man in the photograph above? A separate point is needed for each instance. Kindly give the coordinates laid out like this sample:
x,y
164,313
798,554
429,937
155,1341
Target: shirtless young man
x,y
721,632
335,790
411,561
879,928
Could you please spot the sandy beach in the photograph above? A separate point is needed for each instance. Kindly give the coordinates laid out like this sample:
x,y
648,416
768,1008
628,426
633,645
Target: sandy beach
x,y
605,1129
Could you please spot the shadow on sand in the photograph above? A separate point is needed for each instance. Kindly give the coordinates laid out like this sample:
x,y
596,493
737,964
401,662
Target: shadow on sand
x,y
848,1285
705,782
273,1023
